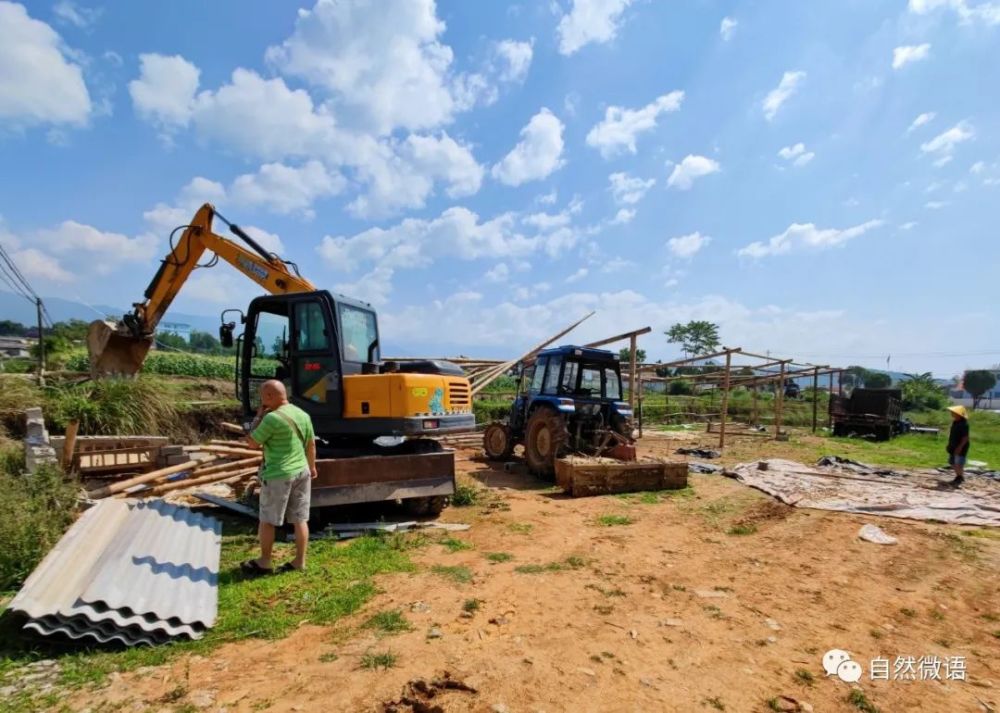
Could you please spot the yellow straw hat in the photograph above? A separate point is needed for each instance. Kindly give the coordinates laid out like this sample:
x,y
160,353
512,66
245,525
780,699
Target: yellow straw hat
x,y
959,411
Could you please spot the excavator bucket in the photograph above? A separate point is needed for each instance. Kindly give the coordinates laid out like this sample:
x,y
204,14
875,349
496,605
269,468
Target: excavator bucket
x,y
114,352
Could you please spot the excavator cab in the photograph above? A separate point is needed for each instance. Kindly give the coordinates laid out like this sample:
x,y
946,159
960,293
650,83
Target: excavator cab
x,y
325,349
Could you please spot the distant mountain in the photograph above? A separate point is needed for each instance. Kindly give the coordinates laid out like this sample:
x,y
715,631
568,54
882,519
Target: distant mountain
x,y
18,309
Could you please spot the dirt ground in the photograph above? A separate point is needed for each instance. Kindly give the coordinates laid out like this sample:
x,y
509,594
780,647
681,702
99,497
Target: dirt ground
x,y
672,612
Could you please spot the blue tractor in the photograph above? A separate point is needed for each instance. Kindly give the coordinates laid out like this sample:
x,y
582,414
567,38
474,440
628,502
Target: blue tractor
x,y
569,400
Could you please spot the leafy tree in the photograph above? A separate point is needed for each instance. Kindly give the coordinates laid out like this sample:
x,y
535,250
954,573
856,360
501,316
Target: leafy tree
x,y
696,337
978,382
680,387
75,330
625,354
921,393
171,341
855,376
878,380
204,342
278,347
9,328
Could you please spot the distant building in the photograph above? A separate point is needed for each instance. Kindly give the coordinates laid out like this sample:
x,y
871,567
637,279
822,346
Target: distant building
x,y
14,347
179,328
964,398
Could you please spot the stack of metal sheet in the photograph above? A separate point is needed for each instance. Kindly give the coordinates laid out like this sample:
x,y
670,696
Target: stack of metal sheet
x,y
139,573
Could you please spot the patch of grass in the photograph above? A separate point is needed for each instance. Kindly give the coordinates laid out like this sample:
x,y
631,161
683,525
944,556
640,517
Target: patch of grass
x,y
384,660
453,544
743,529
984,534
458,574
937,615
714,611
572,562
338,582
614,520
498,557
607,592
715,702
859,700
908,613
328,657
521,528
876,634
388,622
466,496
471,605
678,587
35,511
115,406
575,562
804,676
996,634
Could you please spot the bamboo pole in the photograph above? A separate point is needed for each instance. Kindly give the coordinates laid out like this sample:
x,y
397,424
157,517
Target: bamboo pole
x,y
619,337
245,463
829,413
231,427
224,476
492,375
815,395
779,402
106,490
725,403
631,376
225,450
69,445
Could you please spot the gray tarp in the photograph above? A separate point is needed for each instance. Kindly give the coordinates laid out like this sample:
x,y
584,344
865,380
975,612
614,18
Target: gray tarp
x,y
913,495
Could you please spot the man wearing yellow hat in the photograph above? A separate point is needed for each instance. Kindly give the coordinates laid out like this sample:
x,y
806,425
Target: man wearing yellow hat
x,y
958,442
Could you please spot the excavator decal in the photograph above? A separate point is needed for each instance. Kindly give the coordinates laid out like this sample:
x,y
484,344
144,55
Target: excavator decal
x,y
437,401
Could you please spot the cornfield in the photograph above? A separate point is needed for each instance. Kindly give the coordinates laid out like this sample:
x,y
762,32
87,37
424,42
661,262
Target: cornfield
x,y
178,364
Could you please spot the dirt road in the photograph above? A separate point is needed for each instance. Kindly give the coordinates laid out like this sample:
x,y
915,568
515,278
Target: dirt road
x,y
714,599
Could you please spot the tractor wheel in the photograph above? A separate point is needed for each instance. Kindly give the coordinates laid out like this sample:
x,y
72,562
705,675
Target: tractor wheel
x,y
497,442
543,442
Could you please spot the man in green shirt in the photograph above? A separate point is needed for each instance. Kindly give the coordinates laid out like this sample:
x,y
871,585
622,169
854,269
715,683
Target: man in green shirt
x,y
285,432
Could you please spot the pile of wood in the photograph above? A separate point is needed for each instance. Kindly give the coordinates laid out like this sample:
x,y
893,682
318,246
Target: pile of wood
x,y
226,462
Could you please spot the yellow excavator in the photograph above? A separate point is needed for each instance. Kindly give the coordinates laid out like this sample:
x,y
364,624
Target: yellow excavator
x,y
325,348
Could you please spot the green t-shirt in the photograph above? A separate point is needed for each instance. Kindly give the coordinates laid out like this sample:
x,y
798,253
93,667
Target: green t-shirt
x,y
284,451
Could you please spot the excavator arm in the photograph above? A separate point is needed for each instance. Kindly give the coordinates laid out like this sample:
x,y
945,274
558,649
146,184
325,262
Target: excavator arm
x,y
120,348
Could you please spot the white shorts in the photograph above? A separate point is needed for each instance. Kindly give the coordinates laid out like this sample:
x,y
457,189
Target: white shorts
x,y
286,499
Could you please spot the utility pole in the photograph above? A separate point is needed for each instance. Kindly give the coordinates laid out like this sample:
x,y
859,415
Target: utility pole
x,y
41,341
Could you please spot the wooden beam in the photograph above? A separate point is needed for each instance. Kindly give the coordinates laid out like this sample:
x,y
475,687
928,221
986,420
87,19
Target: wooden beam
x,y
631,376
121,485
619,337
694,359
815,395
725,403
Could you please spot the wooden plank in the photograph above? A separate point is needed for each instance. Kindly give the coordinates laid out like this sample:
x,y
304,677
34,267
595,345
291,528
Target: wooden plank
x,y
223,477
122,485
581,479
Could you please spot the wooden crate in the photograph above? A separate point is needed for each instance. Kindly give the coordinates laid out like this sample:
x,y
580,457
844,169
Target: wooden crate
x,y
600,476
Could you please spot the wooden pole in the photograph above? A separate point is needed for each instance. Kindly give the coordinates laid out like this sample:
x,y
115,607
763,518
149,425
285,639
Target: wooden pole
x,y
619,337
755,421
725,403
69,445
121,485
815,395
222,477
631,376
829,415
225,450
41,341
639,412
779,402
840,383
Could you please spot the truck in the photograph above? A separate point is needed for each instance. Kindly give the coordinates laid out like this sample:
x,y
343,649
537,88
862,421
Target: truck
x,y
875,412
374,420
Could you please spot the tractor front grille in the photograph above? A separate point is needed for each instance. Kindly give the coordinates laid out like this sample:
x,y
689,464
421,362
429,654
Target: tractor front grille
x,y
458,394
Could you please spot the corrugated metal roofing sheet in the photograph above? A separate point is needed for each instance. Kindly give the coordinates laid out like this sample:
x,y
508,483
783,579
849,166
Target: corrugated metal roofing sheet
x,y
134,572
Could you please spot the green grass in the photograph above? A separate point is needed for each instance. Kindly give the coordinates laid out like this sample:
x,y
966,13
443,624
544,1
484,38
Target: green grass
x,y
458,574
384,660
471,605
614,520
339,581
453,544
466,496
521,528
388,622
804,676
498,557
654,497
859,700
743,529
572,562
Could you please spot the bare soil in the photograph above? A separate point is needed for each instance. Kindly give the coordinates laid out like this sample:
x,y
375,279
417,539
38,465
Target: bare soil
x,y
671,612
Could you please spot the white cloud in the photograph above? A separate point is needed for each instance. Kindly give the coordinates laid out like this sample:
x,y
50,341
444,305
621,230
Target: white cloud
x,y
942,146
286,189
628,190
935,205
414,242
789,84
908,226
692,167
443,157
797,154
901,56
68,12
624,216
727,28
165,91
374,287
925,118
620,127
805,236
547,221
498,273
36,265
39,82
687,246
516,59
577,276
380,58
111,248
986,12
536,155
978,167
548,198
269,241
589,21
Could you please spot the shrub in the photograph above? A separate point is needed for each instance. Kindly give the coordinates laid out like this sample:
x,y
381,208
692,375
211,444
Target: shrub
x,y
681,387
114,406
487,410
35,510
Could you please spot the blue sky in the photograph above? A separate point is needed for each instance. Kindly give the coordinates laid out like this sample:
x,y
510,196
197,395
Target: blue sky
x,y
819,178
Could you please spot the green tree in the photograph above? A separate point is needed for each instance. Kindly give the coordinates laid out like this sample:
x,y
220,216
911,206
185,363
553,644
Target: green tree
x,y
855,376
171,341
74,330
625,355
204,342
978,382
9,328
878,380
696,337
921,393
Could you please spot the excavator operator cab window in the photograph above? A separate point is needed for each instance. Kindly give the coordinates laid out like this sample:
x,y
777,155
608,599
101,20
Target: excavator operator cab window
x,y
311,325
359,333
